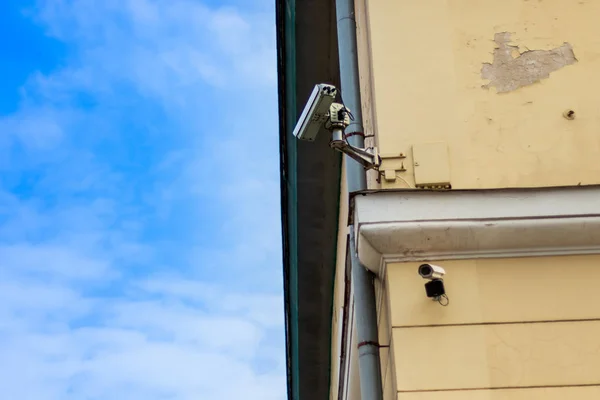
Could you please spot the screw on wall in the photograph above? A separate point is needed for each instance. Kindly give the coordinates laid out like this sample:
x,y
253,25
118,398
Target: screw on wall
x,y
569,114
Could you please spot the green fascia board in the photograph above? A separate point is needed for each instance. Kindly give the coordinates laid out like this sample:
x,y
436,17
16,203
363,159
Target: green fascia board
x,y
286,37
288,113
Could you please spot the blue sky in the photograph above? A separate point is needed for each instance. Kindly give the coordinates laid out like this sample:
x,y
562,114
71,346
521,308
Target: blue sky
x,y
139,201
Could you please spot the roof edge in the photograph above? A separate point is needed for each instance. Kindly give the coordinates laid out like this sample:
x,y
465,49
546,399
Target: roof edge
x,y
286,63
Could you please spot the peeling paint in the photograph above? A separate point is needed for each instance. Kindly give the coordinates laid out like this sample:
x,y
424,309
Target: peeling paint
x,y
512,69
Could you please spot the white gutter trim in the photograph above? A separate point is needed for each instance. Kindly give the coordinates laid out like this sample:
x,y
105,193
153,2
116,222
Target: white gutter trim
x,y
420,226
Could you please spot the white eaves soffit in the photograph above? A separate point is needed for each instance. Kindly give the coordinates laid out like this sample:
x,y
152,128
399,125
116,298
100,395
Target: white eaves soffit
x,y
395,226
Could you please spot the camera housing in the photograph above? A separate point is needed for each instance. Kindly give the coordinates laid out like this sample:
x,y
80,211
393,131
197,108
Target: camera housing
x,y
435,287
316,112
322,112
430,271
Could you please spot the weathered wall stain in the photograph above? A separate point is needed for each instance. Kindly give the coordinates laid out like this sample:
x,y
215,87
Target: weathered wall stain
x,y
507,73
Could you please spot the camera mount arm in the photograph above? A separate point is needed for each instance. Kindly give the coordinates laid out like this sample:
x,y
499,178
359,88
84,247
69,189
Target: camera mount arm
x,y
339,119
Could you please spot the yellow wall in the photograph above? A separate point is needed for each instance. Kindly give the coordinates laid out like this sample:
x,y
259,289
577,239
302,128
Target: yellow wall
x,y
385,328
386,340
574,393
517,326
338,294
366,80
427,57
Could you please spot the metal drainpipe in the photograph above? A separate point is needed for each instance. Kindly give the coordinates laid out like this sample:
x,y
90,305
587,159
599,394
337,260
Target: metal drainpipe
x,y
365,309
365,314
348,56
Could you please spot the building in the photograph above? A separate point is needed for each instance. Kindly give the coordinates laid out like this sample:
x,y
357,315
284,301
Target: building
x,y
486,117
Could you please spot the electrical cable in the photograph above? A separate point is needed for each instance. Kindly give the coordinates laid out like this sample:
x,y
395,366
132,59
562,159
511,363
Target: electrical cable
x,y
443,300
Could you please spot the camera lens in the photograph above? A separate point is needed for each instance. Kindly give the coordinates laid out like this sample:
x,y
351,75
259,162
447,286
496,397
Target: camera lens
x,y
425,270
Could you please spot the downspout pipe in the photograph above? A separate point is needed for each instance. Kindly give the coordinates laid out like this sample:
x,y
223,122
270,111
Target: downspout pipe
x,y
365,309
350,89
365,315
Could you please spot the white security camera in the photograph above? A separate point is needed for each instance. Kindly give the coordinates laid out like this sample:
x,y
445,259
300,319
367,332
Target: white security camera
x,y
435,287
430,271
321,111
315,112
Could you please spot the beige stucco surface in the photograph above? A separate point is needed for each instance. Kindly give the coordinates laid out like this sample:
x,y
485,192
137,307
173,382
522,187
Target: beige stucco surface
x,y
566,393
499,290
389,373
338,293
427,59
386,351
497,356
510,323
491,83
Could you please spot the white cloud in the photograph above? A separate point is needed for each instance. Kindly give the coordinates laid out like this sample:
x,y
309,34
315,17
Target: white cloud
x,y
38,132
178,44
139,208
138,339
